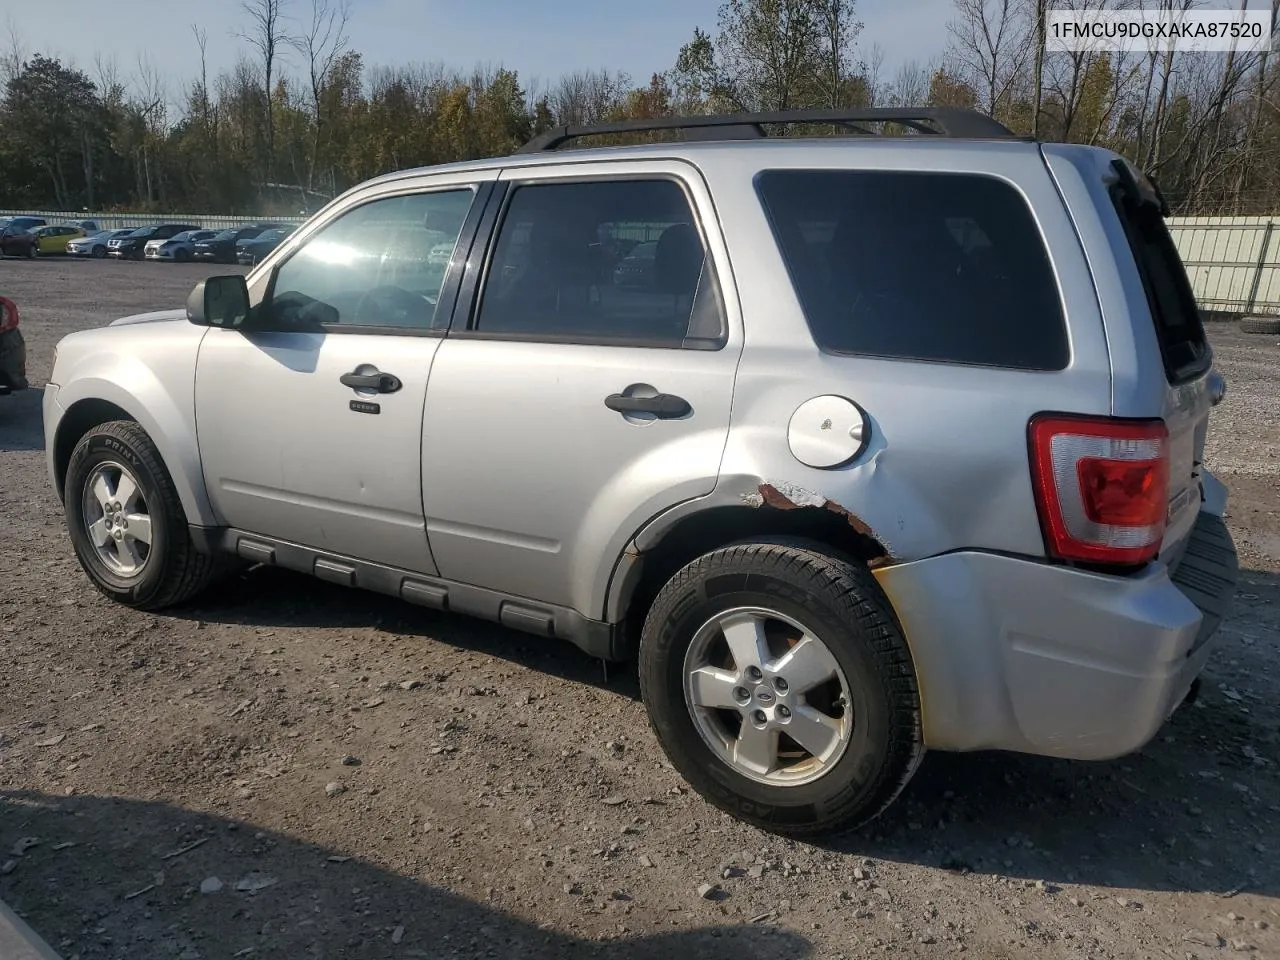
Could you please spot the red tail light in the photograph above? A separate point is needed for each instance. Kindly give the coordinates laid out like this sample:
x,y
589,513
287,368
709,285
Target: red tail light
x,y
1101,485
8,315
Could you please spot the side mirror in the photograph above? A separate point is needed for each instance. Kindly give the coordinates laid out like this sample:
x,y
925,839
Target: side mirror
x,y
219,302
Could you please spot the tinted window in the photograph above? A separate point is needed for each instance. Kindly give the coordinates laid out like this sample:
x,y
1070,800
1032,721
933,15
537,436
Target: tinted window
x,y
371,266
560,267
922,266
143,232
1183,346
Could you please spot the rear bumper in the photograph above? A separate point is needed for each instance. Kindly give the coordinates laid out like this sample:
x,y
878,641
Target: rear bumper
x,y
1011,654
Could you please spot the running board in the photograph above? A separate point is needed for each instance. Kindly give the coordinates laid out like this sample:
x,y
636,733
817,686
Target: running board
x,y
596,638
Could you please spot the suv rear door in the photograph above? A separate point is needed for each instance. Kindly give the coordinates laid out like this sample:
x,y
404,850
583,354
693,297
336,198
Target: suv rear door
x,y
545,445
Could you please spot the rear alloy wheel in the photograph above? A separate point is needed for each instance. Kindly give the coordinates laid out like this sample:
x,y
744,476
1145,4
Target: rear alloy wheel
x,y
126,522
780,686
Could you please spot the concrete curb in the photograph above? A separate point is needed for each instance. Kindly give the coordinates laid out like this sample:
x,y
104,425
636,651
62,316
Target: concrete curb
x,y
18,941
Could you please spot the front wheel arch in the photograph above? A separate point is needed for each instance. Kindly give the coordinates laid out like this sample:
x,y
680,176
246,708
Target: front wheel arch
x,y
76,422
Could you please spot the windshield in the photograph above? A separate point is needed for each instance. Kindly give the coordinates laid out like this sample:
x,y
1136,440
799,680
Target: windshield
x,y
143,232
185,235
224,235
270,235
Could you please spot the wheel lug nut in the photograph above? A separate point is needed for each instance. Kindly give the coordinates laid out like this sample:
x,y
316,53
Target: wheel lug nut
x,y
780,685
759,717
742,693
784,713
753,673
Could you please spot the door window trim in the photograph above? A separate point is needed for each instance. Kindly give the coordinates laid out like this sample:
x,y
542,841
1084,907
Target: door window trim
x,y
453,276
471,293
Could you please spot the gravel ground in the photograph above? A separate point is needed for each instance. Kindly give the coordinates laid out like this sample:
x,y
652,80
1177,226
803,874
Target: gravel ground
x,y
292,770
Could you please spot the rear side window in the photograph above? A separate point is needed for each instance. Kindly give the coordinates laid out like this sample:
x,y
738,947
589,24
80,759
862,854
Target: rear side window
x,y
918,266
1183,346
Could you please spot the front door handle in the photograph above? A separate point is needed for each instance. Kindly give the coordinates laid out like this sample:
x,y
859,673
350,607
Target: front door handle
x,y
665,406
380,382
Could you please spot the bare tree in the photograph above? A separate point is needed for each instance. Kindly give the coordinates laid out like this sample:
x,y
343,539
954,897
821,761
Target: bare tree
x,y
990,43
839,30
267,35
322,43
16,53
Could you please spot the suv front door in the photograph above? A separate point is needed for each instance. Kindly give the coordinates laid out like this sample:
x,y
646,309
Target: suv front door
x,y
544,447
309,419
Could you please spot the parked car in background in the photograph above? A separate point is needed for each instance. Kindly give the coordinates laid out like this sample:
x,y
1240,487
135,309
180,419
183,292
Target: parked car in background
x,y
27,223
13,350
178,247
88,226
131,247
221,248
95,244
252,250
18,241
54,239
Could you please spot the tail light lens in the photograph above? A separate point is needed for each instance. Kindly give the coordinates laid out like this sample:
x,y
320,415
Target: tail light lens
x,y
1101,486
8,315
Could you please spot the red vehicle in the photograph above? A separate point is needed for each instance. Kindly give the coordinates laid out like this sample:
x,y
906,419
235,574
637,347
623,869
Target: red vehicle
x,y
18,242
13,351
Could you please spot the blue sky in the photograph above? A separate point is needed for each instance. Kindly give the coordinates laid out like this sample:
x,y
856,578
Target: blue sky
x,y
539,38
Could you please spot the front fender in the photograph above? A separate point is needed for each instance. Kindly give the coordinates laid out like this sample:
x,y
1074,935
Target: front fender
x,y
160,399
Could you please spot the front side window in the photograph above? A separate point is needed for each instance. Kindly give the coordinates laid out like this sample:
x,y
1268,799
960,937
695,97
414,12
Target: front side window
x,y
942,267
609,261
372,267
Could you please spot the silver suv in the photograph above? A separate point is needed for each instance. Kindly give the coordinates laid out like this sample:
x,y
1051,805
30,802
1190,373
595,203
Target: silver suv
x,y
895,444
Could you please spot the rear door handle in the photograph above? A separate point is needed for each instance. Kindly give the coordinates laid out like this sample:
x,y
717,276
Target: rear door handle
x,y
381,382
665,406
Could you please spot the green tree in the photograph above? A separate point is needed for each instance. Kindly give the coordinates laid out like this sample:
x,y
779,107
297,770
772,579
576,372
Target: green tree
x,y
52,114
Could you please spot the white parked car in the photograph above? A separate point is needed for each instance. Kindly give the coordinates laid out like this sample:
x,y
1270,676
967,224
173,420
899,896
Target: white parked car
x,y
179,248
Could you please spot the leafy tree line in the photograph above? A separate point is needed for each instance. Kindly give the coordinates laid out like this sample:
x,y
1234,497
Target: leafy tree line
x,y
301,116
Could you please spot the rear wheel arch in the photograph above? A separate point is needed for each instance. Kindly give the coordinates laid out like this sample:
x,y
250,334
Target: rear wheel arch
x,y
639,576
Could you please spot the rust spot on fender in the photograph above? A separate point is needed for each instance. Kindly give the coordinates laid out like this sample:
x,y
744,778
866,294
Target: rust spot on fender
x,y
792,497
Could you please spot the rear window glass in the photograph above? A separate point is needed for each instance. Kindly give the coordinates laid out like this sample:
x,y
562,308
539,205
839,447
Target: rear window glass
x,y
918,266
1183,346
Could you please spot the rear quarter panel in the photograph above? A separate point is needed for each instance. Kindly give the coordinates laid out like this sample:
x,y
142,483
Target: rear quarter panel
x,y
947,464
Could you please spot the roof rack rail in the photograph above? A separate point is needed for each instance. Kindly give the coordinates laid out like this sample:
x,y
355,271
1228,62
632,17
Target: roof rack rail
x,y
935,121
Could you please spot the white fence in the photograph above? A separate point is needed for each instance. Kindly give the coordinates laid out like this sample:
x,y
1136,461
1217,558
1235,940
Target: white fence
x,y
1233,262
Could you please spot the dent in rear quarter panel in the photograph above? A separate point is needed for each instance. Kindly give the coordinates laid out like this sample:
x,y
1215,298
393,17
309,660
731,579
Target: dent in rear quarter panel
x,y
947,465
148,370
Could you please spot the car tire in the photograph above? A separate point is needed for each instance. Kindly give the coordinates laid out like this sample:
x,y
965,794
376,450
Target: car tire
x,y
33,251
182,256
99,253
167,569
1260,324
792,593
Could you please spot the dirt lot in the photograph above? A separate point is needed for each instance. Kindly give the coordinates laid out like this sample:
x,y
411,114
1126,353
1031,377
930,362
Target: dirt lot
x,y
493,795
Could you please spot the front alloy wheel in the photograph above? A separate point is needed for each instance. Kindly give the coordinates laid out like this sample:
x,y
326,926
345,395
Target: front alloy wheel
x,y
116,518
